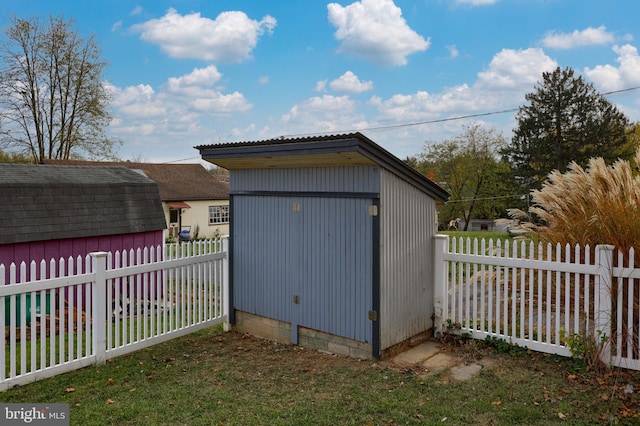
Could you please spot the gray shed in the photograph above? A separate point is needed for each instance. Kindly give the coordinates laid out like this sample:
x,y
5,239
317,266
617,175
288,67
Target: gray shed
x,y
331,242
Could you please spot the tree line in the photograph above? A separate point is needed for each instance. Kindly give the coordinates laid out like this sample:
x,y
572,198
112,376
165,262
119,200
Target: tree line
x,y
564,121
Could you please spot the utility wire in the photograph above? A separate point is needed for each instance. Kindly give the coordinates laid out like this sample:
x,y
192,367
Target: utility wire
x,y
621,90
182,159
441,120
397,126
420,123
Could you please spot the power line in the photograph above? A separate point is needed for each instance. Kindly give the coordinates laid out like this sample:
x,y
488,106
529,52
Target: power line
x,y
396,126
420,123
183,159
441,120
621,90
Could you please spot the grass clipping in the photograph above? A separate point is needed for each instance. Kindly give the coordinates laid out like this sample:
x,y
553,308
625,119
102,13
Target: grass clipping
x,y
596,205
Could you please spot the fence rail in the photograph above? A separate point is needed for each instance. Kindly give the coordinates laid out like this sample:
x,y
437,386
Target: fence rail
x,y
539,296
106,304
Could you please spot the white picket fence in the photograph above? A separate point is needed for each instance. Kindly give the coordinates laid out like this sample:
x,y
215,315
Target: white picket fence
x,y
539,296
65,314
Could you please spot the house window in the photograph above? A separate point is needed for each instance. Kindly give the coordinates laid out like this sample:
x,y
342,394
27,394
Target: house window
x,y
218,214
173,216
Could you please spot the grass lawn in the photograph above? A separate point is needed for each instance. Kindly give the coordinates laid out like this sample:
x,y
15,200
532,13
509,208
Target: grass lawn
x,y
215,378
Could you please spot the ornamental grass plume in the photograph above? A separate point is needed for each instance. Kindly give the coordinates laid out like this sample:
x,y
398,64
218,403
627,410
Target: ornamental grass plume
x,y
596,205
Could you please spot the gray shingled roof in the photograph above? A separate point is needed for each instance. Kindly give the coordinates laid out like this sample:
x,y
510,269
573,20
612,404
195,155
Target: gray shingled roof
x,y
177,182
43,202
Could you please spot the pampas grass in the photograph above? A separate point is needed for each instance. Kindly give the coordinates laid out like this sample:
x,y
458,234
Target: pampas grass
x,y
599,204
596,205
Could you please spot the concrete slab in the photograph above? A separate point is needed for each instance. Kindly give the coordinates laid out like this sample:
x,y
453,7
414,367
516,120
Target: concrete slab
x,y
439,361
434,357
417,354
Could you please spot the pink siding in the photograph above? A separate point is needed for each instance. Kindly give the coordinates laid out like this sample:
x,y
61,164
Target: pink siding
x,y
56,249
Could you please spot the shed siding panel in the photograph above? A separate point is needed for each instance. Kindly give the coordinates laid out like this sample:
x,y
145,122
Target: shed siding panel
x,y
317,179
335,287
408,224
319,251
263,265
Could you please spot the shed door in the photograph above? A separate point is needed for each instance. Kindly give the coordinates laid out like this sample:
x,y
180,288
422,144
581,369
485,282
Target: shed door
x,y
305,260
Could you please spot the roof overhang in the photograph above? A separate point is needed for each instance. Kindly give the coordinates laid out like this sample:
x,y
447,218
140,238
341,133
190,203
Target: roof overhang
x,y
277,161
353,149
178,205
288,154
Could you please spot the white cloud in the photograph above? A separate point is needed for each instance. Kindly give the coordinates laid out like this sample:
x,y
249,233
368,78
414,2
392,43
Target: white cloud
x,y
328,104
375,30
321,85
136,11
198,90
406,108
606,77
627,74
515,69
229,38
263,79
587,37
182,107
241,133
199,77
135,102
350,83
215,102
325,113
453,51
510,75
502,85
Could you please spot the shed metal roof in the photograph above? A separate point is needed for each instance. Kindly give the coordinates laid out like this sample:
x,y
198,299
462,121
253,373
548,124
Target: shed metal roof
x,y
353,149
43,202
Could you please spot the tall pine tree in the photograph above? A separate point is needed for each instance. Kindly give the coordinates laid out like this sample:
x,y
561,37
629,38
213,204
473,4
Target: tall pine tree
x,y
566,120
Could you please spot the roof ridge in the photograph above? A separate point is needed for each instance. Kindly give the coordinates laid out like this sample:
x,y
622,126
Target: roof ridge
x,y
291,139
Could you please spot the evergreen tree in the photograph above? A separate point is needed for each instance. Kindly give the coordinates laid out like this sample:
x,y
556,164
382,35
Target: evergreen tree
x,y
566,120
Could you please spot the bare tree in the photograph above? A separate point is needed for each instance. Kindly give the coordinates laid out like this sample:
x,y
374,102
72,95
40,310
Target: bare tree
x,y
53,101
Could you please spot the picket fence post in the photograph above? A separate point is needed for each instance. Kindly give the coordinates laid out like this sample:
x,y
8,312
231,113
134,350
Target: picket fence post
x,y
98,306
439,283
603,312
226,303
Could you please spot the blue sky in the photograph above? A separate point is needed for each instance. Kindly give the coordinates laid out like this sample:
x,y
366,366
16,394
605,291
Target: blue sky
x,y
190,72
